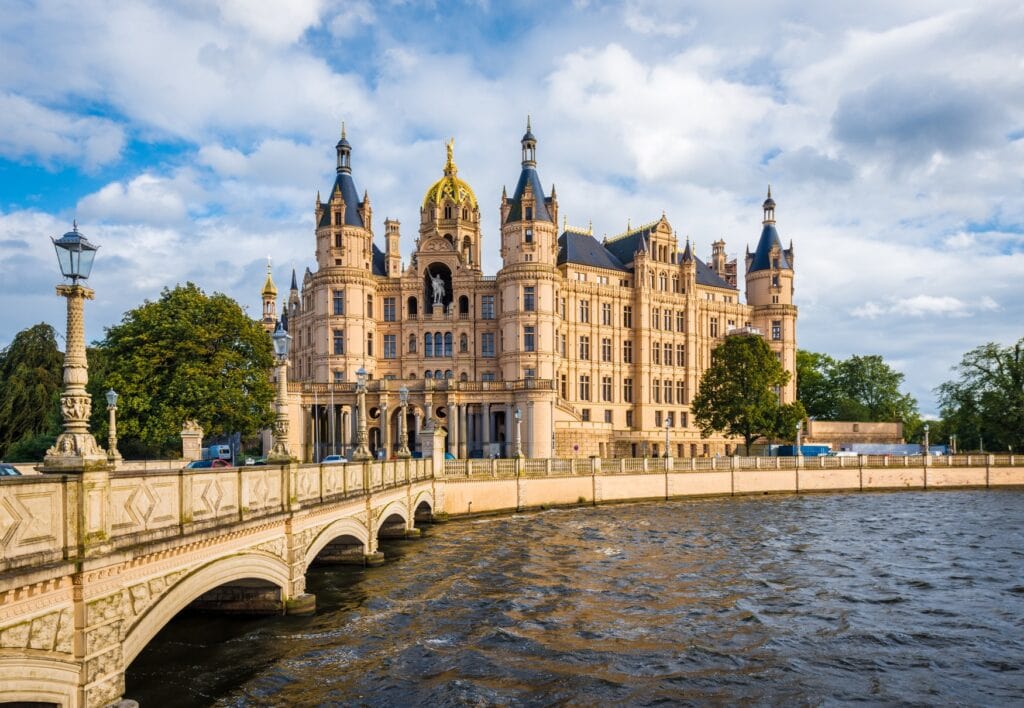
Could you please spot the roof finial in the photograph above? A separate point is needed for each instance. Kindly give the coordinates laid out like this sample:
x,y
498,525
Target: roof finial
x,y
528,128
565,220
449,165
268,264
590,226
342,130
74,225
628,225
769,191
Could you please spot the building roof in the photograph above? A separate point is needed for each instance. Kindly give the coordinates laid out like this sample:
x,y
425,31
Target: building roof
x,y
584,249
624,247
706,275
350,194
762,256
269,289
379,265
540,210
449,187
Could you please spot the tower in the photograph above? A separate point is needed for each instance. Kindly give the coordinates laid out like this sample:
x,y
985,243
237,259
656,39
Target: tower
x,y
529,220
450,211
269,302
344,231
769,279
392,244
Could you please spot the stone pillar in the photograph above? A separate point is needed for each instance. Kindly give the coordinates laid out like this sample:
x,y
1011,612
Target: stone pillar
x,y
528,443
418,423
485,428
463,431
510,430
344,429
191,441
453,426
385,439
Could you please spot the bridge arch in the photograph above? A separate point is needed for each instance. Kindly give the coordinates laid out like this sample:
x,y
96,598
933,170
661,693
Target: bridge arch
x,y
423,506
244,566
333,531
34,676
395,508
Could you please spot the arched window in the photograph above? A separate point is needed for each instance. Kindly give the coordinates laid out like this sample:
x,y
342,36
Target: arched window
x,y
438,374
413,307
412,375
428,345
463,305
428,374
447,343
463,344
448,373
467,251
463,376
663,281
448,211
412,343
675,283
438,345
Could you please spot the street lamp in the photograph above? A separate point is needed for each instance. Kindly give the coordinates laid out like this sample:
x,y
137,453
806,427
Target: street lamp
x,y
799,430
519,432
112,453
926,440
667,424
362,451
403,442
75,449
279,453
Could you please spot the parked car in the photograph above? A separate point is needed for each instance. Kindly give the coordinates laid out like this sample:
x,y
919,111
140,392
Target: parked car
x,y
9,471
334,460
204,464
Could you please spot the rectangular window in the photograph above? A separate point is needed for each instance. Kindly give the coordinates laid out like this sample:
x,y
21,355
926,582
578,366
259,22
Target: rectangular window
x,y
584,310
529,213
528,234
339,302
581,277
656,353
670,419
339,341
529,373
529,338
606,349
714,327
680,321
565,386
585,414
607,416
487,376
562,339
627,315
562,308
627,390
369,305
606,313
656,391
681,392
487,307
629,419
369,344
668,354
680,355
584,388
657,419
656,318
776,330
339,377
584,348
389,309
390,346
487,344
606,388
627,352
682,420
668,320
668,391
529,298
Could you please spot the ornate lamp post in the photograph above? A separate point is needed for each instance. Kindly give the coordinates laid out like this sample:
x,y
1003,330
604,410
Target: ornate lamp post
x,y
925,440
668,423
362,451
112,454
403,442
279,453
519,432
75,449
799,430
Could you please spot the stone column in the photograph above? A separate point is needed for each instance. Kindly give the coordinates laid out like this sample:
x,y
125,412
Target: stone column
x,y
485,427
453,425
463,431
191,441
418,423
510,430
385,440
344,429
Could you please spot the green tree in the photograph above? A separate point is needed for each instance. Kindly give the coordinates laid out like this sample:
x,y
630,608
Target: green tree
x,y
185,356
737,393
30,383
815,387
985,404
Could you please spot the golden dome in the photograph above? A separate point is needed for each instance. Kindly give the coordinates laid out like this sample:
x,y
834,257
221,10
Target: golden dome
x,y
449,187
269,289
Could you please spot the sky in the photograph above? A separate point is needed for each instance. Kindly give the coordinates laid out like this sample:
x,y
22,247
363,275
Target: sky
x,y
189,140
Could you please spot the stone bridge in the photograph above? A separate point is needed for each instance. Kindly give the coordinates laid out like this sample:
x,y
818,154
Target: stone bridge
x,y
92,566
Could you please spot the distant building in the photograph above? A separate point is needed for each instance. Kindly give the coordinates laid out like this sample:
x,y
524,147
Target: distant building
x,y
598,343
843,435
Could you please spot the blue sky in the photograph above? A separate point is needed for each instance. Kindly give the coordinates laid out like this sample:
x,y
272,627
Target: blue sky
x,y
189,140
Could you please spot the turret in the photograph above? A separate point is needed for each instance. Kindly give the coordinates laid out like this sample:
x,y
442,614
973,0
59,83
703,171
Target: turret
x,y
529,219
269,302
392,255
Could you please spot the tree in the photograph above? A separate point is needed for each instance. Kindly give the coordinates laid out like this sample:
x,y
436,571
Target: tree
x,y
30,383
985,405
185,356
737,394
815,387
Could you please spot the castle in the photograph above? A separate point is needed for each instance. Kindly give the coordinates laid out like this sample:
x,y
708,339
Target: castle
x,y
595,347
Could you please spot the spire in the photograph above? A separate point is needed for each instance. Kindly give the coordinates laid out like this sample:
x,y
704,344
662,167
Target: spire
x,y
688,251
295,283
450,170
529,143
269,289
344,152
769,208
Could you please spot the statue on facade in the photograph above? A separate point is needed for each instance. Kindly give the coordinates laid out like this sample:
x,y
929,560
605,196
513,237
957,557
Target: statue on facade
x,y
438,285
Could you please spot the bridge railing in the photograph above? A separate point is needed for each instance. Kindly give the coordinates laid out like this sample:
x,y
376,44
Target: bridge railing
x,y
48,519
659,465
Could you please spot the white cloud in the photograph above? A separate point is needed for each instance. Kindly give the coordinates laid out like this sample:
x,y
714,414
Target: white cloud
x,y
353,17
147,199
272,20
646,17
30,130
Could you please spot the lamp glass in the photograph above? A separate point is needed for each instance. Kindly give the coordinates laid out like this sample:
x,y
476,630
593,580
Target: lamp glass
x,y
111,398
75,254
403,395
282,340
519,414
361,375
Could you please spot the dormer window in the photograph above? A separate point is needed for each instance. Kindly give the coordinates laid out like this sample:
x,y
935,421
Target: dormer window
x,y
337,218
529,213
448,212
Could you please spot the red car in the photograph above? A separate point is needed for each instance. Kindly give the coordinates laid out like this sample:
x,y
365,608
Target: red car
x,y
202,464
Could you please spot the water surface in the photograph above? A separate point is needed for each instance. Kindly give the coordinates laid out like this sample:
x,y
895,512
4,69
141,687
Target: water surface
x,y
913,597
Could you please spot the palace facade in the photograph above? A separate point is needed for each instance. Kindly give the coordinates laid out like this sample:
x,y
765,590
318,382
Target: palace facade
x,y
598,345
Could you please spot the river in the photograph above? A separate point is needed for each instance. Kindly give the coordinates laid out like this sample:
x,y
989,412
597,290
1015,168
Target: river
x,y
911,597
